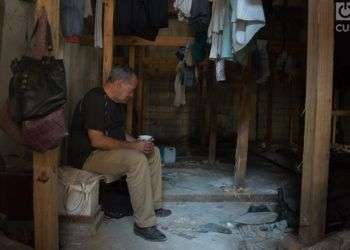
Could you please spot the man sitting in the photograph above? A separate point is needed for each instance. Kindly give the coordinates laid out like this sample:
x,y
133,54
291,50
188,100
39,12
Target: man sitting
x,y
99,143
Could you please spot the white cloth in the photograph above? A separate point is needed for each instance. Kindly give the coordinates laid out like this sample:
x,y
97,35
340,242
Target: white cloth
x,y
220,70
87,8
216,27
184,8
233,24
247,18
98,24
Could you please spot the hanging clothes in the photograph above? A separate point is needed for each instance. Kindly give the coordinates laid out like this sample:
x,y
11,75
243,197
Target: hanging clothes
x,y
247,18
232,26
186,74
87,9
141,18
183,8
72,19
200,14
179,87
199,47
216,27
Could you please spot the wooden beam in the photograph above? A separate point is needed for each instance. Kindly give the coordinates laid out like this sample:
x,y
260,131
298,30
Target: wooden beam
x,y
318,106
130,109
213,118
205,106
165,41
341,112
107,61
45,199
243,127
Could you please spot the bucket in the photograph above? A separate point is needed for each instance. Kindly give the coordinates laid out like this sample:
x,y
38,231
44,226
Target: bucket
x,y
169,155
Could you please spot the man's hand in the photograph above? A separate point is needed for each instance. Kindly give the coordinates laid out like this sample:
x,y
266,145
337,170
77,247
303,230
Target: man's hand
x,y
144,147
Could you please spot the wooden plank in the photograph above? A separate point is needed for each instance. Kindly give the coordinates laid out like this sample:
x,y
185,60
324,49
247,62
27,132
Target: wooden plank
x,y
243,128
45,165
108,33
213,99
341,112
318,114
130,108
139,103
45,199
205,107
162,41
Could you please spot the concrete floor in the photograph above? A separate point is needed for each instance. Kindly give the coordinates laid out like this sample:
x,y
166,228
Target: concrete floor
x,y
207,213
193,225
184,183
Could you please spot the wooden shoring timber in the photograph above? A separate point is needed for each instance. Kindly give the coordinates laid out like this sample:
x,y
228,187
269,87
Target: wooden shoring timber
x,y
243,126
107,61
45,199
318,113
45,195
161,41
213,116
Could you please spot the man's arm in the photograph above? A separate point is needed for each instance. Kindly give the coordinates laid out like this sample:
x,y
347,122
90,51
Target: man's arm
x,y
129,138
100,141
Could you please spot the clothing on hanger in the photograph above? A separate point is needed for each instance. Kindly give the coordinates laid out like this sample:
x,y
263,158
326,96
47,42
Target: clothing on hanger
x,y
72,19
183,8
179,87
199,16
141,18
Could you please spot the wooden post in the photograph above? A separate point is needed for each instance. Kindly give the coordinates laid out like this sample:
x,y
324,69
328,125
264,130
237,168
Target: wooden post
x,y
318,113
244,116
129,117
108,34
140,90
45,164
213,117
205,106
45,199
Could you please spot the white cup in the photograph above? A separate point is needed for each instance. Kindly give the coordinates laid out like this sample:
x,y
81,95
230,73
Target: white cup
x,y
145,138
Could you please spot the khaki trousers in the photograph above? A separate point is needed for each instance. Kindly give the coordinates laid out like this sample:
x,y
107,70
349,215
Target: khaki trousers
x,y
144,178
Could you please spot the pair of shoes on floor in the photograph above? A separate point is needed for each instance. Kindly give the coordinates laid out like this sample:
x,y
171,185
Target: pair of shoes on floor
x,y
149,233
162,212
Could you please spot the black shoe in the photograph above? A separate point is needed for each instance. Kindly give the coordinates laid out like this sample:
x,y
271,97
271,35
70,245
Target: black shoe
x,y
162,212
149,233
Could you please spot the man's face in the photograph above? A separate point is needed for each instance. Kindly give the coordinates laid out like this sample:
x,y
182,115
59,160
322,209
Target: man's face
x,y
125,90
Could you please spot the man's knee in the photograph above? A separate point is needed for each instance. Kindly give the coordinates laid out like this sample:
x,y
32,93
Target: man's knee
x,y
137,161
